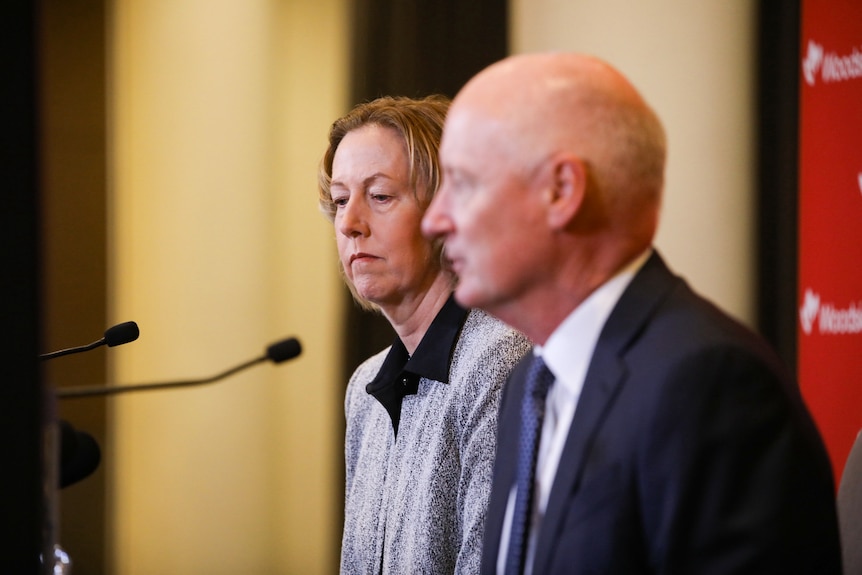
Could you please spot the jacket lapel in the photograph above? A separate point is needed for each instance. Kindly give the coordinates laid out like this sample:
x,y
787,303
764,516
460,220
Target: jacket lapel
x,y
606,375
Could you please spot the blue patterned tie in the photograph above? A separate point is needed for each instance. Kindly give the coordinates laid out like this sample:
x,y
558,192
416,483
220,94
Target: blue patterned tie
x,y
539,379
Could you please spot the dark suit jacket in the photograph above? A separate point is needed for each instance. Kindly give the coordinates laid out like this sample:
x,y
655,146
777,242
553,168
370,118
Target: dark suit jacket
x,y
690,452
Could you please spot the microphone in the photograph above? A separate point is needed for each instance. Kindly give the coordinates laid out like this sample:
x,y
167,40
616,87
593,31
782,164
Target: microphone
x,y
116,335
277,352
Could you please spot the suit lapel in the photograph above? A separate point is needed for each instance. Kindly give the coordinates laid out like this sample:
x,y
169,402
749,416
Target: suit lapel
x,y
605,376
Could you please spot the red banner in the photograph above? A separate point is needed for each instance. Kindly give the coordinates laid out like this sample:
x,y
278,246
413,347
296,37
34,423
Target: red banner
x,y
830,221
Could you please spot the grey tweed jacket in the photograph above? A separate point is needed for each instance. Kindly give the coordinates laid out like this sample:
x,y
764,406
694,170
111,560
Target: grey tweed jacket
x,y
416,505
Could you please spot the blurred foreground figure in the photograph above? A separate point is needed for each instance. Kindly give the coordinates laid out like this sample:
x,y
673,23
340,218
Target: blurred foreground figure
x,y
649,432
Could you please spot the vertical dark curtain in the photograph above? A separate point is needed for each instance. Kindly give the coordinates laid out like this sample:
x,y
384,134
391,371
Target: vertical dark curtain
x,y
20,393
778,119
415,48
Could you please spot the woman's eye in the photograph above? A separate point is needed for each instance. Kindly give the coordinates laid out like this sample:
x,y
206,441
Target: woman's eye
x,y
339,202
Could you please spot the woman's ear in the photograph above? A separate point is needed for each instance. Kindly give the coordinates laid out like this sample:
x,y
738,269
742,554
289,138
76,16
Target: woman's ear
x,y
567,191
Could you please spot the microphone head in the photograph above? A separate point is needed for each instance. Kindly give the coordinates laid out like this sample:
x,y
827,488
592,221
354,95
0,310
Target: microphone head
x,y
122,333
283,350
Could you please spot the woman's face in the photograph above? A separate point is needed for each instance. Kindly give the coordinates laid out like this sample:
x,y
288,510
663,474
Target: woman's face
x,y
377,218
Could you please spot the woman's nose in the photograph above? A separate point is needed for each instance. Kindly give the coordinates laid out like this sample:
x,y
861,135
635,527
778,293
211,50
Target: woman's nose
x,y
351,220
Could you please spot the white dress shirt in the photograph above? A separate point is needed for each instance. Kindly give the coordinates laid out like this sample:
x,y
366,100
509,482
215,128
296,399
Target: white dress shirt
x,y
567,353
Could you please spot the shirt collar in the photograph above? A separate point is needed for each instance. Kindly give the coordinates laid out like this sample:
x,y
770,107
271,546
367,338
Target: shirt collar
x,y
434,353
400,373
568,350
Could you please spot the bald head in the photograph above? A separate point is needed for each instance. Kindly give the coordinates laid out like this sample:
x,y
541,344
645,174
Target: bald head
x,y
552,175
551,102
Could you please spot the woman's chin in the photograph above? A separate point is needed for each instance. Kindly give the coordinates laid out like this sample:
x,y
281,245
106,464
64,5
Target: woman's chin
x,y
370,294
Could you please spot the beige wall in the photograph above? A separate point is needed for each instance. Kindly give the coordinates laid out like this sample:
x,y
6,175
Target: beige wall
x,y
219,113
694,61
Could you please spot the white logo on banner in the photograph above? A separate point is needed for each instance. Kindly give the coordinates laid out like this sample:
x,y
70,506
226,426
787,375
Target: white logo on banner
x,y
830,66
829,319
812,61
808,311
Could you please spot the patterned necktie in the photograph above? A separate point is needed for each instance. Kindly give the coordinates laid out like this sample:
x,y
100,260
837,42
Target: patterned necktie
x,y
539,379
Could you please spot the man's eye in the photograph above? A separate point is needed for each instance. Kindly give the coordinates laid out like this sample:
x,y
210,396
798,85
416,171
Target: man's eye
x,y
456,182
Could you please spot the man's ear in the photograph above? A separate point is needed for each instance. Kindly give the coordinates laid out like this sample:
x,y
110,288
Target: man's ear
x,y
567,191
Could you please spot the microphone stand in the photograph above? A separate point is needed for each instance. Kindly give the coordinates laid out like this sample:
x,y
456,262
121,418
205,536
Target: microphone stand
x,y
55,560
277,352
89,391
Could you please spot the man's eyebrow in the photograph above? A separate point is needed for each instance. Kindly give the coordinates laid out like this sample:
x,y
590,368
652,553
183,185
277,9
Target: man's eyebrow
x,y
457,172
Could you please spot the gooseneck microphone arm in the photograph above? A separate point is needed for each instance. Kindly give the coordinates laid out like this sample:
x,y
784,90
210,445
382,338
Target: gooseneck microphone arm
x,y
117,335
278,352
93,390
70,454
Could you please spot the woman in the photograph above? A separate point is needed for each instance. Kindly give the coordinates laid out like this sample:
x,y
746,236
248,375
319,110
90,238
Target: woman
x,y
421,414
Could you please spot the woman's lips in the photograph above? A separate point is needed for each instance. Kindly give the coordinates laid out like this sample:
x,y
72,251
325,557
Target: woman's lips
x,y
361,257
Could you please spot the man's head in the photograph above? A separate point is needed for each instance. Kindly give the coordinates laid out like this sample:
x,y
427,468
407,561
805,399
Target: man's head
x,y
552,175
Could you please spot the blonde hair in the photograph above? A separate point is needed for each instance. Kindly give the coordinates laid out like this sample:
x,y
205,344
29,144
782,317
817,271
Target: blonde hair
x,y
419,122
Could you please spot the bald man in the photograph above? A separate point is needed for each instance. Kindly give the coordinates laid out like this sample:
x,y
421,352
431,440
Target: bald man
x,y
670,437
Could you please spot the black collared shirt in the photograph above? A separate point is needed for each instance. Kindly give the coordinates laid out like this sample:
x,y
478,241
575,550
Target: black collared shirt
x,y
400,373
